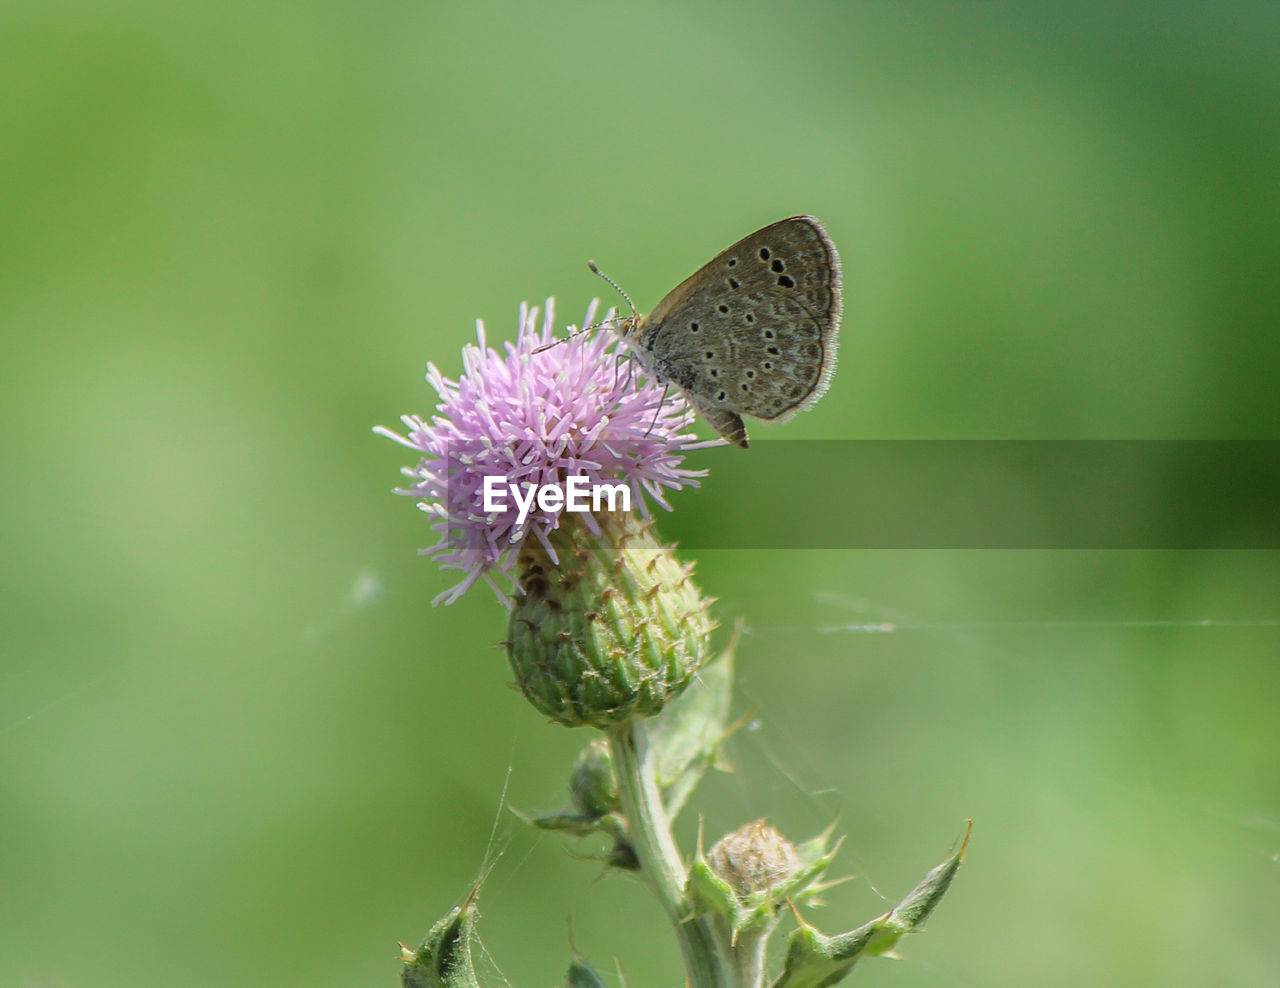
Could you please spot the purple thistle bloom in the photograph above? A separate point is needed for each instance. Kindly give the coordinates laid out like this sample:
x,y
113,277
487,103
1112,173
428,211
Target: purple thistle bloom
x,y
538,418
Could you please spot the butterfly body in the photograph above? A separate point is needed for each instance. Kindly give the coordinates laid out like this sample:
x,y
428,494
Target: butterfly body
x,y
752,332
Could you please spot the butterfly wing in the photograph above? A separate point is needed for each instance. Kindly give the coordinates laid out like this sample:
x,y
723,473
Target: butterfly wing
x,y
753,331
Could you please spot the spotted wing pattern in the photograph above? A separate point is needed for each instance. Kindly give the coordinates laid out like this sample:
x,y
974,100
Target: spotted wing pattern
x,y
753,332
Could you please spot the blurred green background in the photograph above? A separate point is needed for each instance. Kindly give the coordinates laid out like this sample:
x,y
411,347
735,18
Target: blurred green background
x,y
237,745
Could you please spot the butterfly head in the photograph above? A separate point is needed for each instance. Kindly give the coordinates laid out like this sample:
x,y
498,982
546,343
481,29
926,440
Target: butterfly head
x,y
627,328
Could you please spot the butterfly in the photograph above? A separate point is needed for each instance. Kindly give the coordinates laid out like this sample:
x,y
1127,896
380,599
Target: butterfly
x,y
752,332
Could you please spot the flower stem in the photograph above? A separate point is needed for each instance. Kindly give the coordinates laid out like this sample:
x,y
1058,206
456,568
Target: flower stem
x,y
748,956
660,859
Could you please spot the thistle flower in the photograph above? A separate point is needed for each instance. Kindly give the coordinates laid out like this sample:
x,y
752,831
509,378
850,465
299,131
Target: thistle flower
x,y
605,625
606,628
531,419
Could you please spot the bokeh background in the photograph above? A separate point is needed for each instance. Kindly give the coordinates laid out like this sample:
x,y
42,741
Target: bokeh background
x,y
238,746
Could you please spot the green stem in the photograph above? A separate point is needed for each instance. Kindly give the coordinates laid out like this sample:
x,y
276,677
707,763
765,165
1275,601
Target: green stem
x,y
748,956
660,859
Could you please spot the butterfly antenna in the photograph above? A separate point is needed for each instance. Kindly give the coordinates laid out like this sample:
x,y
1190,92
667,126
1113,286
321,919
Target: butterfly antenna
x,y
596,271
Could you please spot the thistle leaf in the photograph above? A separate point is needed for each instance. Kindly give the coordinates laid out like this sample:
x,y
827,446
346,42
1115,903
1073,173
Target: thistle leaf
x,y
815,960
582,975
686,738
444,958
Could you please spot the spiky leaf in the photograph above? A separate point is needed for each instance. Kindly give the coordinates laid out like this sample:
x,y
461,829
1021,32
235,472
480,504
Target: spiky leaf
x,y
444,958
815,960
686,738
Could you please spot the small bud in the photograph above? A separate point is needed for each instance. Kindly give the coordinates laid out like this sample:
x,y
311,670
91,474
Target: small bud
x,y
751,872
595,806
593,786
754,859
609,626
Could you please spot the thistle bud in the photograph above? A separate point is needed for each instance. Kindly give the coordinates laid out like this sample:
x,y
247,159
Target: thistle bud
x,y
609,626
754,860
593,786
750,873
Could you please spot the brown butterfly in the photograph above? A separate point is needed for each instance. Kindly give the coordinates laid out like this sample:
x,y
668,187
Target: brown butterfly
x,y
752,332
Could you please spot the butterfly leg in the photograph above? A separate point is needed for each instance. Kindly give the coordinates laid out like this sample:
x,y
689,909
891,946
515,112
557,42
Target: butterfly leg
x,y
658,410
625,357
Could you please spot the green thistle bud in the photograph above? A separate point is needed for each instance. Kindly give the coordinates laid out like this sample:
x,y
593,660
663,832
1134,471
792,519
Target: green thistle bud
x,y
610,629
593,792
596,806
593,786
